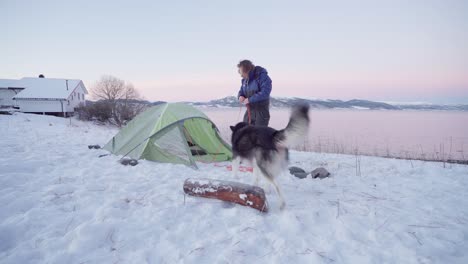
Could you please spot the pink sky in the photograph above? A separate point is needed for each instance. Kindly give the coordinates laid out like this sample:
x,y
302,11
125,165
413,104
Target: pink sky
x,y
395,50
344,85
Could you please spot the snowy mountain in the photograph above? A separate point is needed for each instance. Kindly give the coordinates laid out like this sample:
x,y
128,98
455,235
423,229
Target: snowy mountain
x,y
459,107
286,102
279,102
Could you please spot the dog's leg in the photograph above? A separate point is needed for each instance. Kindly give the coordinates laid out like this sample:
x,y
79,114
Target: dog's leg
x,y
258,179
271,177
256,172
235,166
283,203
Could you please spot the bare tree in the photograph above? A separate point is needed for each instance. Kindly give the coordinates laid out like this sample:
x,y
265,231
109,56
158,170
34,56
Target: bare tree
x,y
122,97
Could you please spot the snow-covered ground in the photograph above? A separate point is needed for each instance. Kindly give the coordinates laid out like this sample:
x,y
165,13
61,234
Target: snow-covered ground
x,y
60,203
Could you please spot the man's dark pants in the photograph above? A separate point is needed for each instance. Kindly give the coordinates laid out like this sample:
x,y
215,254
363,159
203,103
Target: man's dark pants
x,y
259,113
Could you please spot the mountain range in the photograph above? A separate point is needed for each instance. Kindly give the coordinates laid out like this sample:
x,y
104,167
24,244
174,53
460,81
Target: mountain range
x,y
357,104
284,102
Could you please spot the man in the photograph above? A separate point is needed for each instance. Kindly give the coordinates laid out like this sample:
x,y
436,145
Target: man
x,y
255,93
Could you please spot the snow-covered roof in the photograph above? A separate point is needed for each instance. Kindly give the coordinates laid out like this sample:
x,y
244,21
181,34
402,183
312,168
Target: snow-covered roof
x,y
5,83
49,88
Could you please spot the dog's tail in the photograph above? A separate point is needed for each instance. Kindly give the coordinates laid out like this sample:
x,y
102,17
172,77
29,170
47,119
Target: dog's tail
x,y
297,128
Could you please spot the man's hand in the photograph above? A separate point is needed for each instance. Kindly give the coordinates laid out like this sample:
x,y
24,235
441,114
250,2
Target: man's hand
x,y
246,101
241,99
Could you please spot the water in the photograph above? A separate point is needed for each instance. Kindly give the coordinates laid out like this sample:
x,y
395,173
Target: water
x,y
435,135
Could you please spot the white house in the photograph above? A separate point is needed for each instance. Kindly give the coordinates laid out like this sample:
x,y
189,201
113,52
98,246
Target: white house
x,y
7,91
43,95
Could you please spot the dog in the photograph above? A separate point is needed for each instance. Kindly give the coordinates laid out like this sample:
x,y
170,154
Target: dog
x,y
267,148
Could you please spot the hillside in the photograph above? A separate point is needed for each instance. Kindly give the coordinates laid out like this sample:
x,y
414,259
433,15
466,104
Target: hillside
x,y
60,203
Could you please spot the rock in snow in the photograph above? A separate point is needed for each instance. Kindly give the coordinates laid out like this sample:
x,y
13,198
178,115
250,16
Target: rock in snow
x,y
301,175
294,169
129,161
298,172
319,173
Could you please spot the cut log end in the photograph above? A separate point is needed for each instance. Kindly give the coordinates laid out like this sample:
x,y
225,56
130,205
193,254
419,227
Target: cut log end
x,y
235,192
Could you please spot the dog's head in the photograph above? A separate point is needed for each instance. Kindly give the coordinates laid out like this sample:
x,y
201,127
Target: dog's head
x,y
237,127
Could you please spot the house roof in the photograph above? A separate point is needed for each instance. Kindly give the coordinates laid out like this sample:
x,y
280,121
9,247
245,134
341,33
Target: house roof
x,y
49,88
5,83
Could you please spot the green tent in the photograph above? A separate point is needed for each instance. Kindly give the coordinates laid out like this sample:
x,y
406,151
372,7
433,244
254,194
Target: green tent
x,y
171,132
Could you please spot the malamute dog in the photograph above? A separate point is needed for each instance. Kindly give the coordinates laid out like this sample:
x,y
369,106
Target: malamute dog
x,y
267,148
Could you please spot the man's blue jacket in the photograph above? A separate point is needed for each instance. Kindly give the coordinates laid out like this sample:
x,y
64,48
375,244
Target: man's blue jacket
x,y
257,87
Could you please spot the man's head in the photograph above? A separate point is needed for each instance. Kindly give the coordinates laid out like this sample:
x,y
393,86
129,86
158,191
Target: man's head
x,y
244,67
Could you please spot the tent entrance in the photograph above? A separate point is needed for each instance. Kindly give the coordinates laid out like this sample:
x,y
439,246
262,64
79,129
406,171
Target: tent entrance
x,y
188,141
204,142
195,149
170,145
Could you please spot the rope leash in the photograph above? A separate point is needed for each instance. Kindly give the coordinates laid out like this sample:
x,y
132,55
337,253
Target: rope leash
x,y
240,111
249,115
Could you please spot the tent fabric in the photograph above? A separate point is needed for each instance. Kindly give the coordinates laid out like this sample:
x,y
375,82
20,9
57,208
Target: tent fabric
x,y
173,133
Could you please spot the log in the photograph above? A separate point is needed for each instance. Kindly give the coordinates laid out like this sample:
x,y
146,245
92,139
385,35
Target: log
x,y
235,192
